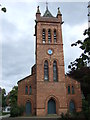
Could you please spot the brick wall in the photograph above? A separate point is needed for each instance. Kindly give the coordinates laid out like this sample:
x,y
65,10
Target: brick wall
x,y
43,91
22,97
47,90
76,97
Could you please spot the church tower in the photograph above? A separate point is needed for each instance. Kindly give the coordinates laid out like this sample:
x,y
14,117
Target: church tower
x,y
47,90
50,75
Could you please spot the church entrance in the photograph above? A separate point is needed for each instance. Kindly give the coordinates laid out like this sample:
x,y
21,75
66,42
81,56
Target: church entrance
x,y
28,108
51,107
71,106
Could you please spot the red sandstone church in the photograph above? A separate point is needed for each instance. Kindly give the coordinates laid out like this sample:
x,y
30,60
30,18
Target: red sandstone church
x,y
47,90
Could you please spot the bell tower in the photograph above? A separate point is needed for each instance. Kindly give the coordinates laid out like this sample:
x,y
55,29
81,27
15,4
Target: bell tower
x,y
50,75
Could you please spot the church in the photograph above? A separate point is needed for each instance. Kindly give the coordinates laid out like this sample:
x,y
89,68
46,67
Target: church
x,y
48,90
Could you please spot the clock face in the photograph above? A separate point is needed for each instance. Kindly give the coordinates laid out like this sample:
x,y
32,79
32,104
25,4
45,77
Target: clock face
x,y
50,52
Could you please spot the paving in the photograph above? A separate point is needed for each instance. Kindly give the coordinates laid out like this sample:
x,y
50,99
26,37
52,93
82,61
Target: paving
x,y
31,118
7,117
39,118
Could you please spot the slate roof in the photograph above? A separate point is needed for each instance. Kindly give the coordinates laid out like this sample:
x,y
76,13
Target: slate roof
x,y
47,14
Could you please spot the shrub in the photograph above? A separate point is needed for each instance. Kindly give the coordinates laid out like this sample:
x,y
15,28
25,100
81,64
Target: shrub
x,y
64,116
86,109
16,111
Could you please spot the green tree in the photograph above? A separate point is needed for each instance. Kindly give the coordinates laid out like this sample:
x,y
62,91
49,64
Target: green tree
x,y
15,109
3,97
80,70
86,109
84,59
13,96
0,101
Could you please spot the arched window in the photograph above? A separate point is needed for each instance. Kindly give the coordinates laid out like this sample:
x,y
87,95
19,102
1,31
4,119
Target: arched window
x,y
71,106
55,71
68,89
49,36
26,90
73,90
30,90
46,75
55,36
43,36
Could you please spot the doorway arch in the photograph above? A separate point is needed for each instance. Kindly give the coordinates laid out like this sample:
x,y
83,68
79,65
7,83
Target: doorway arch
x,y
28,108
51,106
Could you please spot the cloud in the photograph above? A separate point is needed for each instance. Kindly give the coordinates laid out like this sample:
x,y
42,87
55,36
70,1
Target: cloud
x,y
18,52
18,42
16,62
8,30
71,35
72,12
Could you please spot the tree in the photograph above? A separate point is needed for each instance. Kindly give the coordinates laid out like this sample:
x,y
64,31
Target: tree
x,y
15,109
84,59
13,96
3,97
80,70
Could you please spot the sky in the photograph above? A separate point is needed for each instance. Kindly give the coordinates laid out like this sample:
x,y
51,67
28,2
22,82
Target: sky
x,y
17,40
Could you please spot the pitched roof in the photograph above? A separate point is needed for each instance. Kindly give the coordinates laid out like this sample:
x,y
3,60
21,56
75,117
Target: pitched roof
x,y
47,14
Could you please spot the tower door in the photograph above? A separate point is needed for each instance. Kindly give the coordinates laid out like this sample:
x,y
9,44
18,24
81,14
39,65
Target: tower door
x,y
51,107
28,108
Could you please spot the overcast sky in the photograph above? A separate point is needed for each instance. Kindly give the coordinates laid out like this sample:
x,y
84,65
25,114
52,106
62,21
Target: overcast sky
x,y
17,43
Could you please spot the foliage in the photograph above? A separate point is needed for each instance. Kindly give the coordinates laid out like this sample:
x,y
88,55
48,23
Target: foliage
x,y
83,76
80,68
0,98
3,97
13,96
5,113
16,111
3,9
86,109
83,115
84,58
64,116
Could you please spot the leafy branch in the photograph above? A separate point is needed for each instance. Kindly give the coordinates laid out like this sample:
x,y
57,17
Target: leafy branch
x,y
3,8
84,58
